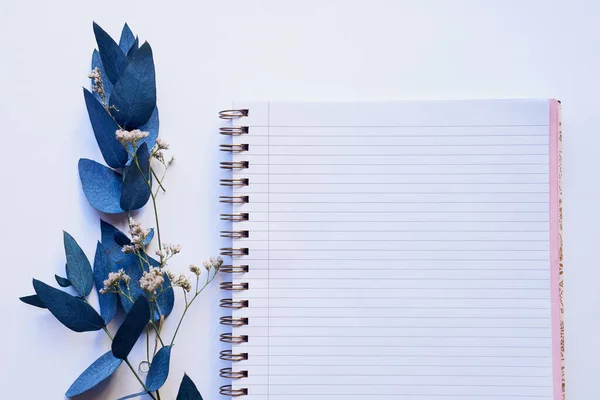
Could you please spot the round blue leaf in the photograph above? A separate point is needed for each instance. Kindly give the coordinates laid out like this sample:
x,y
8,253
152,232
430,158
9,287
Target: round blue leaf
x,y
113,59
134,324
79,270
62,282
106,83
101,185
100,369
159,369
136,191
72,312
187,390
102,267
134,95
107,237
127,39
104,127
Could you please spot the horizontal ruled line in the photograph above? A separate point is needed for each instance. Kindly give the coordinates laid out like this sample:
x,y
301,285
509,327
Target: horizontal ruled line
x,y
409,336
342,136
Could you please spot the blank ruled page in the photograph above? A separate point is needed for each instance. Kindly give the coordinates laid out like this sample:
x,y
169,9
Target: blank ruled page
x,y
396,251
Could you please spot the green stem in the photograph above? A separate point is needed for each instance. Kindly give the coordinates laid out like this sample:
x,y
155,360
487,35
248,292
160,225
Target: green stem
x,y
139,379
128,363
187,306
158,179
157,333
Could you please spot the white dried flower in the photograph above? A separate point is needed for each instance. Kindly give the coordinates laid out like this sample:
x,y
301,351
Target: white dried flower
x,y
161,144
128,249
183,282
138,234
111,284
213,262
171,276
152,280
95,74
159,156
130,137
195,270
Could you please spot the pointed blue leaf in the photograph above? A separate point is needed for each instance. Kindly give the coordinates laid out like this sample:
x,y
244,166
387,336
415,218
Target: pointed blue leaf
x,y
62,282
113,59
72,312
127,39
104,127
102,267
187,390
136,191
134,48
106,83
101,185
134,95
130,263
121,239
107,237
100,369
33,300
166,299
149,237
152,128
131,396
79,270
134,324
159,369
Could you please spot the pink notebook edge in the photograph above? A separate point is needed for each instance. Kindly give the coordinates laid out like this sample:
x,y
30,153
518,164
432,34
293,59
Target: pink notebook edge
x,y
556,253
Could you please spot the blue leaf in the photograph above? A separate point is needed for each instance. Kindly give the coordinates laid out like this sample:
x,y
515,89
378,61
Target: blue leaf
x,y
159,369
127,39
102,267
100,369
107,237
101,185
121,239
187,390
33,300
166,299
131,396
136,191
62,282
134,324
104,127
134,48
152,128
113,59
79,270
72,312
134,95
130,263
97,63
149,237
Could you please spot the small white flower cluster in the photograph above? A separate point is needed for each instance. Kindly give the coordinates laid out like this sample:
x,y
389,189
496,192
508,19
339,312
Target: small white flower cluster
x,y
157,151
213,262
138,237
114,280
195,270
98,85
183,282
151,280
130,137
168,251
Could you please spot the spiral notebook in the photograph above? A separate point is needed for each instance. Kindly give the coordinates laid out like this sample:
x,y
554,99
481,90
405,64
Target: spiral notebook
x,y
392,251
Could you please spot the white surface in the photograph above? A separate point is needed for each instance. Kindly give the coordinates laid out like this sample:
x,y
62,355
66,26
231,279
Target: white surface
x,y
208,53
453,301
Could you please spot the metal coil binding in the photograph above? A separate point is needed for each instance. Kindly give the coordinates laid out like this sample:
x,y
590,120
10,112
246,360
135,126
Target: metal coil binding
x,y
235,182
228,390
234,130
230,373
234,252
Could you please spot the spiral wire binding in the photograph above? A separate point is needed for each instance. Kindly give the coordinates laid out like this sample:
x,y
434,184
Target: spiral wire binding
x,y
234,253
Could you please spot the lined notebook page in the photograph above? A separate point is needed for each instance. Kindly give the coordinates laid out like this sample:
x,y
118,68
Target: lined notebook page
x,y
396,251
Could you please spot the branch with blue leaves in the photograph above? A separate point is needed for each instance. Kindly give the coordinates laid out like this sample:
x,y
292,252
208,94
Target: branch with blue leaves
x,y
122,109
